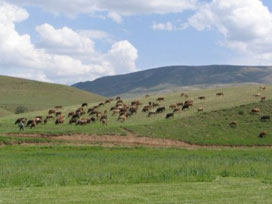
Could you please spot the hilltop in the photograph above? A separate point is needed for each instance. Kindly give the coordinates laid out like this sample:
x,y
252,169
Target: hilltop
x,y
34,95
171,78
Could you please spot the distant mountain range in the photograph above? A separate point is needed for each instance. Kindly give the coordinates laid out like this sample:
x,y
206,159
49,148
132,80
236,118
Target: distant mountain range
x,y
176,77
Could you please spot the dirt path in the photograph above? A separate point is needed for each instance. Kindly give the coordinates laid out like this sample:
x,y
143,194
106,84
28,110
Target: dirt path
x,y
129,140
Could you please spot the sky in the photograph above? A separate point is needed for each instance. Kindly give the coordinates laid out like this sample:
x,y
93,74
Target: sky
x,y
67,41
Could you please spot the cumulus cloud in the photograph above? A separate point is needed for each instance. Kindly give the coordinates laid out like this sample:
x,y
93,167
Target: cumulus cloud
x,y
245,24
115,9
63,55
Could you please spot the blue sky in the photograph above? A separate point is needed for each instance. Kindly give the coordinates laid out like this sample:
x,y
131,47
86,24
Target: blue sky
x,y
66,41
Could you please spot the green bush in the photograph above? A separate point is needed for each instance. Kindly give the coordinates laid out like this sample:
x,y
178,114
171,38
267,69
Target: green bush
x,y
21,109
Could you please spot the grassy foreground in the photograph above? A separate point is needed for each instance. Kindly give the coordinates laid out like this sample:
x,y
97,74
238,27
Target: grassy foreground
x,y
223,190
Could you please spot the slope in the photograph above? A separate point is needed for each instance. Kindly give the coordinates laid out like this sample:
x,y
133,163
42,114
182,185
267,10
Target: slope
x,y
34,95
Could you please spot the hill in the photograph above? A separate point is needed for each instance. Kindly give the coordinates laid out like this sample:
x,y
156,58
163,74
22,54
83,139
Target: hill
x,y
175,77
34,95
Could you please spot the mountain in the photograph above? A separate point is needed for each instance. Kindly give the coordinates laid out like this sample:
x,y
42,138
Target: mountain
x,y
34,95
176,77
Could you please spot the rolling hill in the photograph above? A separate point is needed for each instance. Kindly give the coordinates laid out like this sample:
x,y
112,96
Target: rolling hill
x,y
34,95
176,77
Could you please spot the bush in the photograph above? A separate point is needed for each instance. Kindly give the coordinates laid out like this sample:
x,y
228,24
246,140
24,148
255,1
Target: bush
x,y
21,109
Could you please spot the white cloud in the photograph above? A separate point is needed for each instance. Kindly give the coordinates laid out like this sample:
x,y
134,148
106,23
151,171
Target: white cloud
x,y
245,24
163,26
115,9
63,56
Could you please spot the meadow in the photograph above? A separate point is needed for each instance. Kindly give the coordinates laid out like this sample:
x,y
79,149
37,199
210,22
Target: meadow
x,y
139,175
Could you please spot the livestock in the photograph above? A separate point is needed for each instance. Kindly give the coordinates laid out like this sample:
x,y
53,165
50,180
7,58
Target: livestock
x,y
92,119
71,114
122,118
233,124
265,118
84,105
117,98
51,111
176,110
159,99
151,113
262,134
115,111
58,113
173,106
19,120
155,104
31,123
38,120
60,120
255,110
169,115
72,120
257,94
136,102
263,98
58,107
200,109
219,94
262,87
146,109
160,110
184,94
83,122
101,104
104,121
133,110
179,104
201,97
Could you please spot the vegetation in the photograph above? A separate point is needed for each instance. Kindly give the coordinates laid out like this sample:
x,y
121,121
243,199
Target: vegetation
x,y
223,190
35,95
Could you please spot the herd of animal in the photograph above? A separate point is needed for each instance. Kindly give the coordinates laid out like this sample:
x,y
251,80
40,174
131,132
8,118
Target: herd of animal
x,y
99,113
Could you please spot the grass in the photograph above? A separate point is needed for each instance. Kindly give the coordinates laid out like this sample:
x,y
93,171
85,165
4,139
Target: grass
x,y
208,128
222,190
39,166
10,140
36,95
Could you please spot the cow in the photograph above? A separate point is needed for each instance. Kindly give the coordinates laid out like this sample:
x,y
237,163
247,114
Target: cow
x,y
136,102
255,110
262,134
133,110
51,111
117,98
262,87
263,98
101,104
160,110
146,109
233,124
184,94
58,107
59,120
219,94
58,113
82,122
84,105
19,120
200,109
173,106
104,121
151,113
257,94
155,104
70,114
179,104
169,115
72,120
122,118
176,110
265,118
115,111
31,123
201,97
159,99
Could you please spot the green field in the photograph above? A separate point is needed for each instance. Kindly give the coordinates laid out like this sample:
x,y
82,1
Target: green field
x,y
36,95
66,174
210,127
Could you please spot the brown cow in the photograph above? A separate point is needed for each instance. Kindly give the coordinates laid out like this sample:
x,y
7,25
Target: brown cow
x,y
151,113
104,121
19,120
159,99
200,109
233,124
262,134
173,106
262,87
51,111
219,94
31,123
255,110
58,113
263,98
60,119
122,118
84,105
201,97
257,94
58,107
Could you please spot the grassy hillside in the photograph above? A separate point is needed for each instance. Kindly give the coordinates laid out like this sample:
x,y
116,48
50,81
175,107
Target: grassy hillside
x,y
36,95
175,77
208,127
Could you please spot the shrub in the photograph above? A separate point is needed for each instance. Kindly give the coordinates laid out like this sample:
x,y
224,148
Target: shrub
x,y
21,109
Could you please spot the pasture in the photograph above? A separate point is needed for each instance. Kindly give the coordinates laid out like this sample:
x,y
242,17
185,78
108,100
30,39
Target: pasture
x,y
208,127
30,174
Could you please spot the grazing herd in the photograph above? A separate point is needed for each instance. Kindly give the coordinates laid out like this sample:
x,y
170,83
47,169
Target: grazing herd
x,y
84,114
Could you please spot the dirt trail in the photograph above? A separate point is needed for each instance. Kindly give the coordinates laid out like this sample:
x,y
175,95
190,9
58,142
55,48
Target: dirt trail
x,y
129,140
